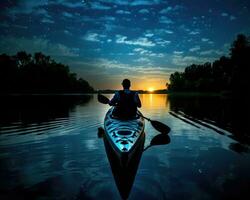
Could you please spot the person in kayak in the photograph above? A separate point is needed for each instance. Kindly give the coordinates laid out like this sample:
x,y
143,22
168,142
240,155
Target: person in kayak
x,y
125,101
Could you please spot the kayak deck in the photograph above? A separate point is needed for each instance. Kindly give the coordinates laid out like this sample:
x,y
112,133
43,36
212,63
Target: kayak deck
x,y
123,134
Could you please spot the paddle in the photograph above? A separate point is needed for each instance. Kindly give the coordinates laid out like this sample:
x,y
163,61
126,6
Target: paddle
x,y
159,126
159,139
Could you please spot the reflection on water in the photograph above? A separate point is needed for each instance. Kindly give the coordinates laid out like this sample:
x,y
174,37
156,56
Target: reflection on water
x,y
124,173
38,108
215,113
49,149
154,101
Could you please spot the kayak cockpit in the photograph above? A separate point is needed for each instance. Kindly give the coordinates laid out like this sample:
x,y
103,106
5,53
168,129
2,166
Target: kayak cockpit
x,y
123,134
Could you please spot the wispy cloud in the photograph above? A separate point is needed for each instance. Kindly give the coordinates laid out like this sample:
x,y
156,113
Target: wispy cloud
x,y
142,41
123,12
170,9
145,2
12,45
144,11
162,42
166,10
196,48
99,6
67,14
178,52
181,60
224,14
149,53
46,20
232,18
67,32
93,37
204,39
132,3
149,34
142,59
211,52
165,20
194,32
169,32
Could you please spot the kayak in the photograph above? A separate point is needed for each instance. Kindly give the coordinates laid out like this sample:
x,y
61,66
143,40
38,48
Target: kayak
x,y
124,135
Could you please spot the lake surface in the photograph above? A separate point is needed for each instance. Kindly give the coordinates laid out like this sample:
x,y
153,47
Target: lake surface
x,y
50,149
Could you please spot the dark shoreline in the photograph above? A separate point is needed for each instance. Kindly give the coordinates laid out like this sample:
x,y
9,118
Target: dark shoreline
x,y
172,93
48,94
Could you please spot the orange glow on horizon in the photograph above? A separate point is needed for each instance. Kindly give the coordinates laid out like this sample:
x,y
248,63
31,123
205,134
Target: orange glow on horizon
x,y
151,89
149,85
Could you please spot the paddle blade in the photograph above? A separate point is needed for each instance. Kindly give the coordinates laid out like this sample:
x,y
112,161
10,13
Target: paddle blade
x,y
102,99
163,128
160,139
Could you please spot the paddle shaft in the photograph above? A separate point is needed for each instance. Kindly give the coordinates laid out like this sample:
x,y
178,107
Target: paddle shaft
x,y
144,117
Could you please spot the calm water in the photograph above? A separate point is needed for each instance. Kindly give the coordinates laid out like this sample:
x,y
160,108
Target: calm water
x,y
49,149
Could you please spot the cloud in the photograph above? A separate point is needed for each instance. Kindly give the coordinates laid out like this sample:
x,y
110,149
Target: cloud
x,y
144,11
232,17
67,14
77,4
93,37
149,34
107,18
162,31
46,20
166,10
159,55
142,41
204,39
212,51
12,45
194,33
170,9
99,6
178,52
123,12
180,60
25,7
67,32
142,59
196,48
169,32
162,42
132,2
224,14
165,20
145,2
145,52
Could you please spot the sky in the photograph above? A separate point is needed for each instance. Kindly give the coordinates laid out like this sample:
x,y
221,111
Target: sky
x,y
105,41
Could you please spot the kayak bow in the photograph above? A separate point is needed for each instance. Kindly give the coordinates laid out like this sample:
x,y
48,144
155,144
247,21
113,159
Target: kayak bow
x,y
124,135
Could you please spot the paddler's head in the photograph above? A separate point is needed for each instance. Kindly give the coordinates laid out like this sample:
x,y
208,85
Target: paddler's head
x,y
126,84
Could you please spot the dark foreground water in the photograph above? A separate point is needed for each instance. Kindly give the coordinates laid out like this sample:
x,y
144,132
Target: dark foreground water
x,y
49,149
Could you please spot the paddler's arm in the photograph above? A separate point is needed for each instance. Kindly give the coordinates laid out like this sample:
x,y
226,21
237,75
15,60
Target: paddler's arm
x,y
137,100
114,100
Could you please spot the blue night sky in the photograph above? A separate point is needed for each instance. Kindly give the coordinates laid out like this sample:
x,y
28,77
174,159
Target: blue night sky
x,y
106,41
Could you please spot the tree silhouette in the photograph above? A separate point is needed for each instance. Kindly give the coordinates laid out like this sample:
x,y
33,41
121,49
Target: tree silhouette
x,y
23,73
226,74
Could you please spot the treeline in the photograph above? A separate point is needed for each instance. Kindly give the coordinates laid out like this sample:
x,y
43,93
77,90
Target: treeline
x,y
24,73
230,74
